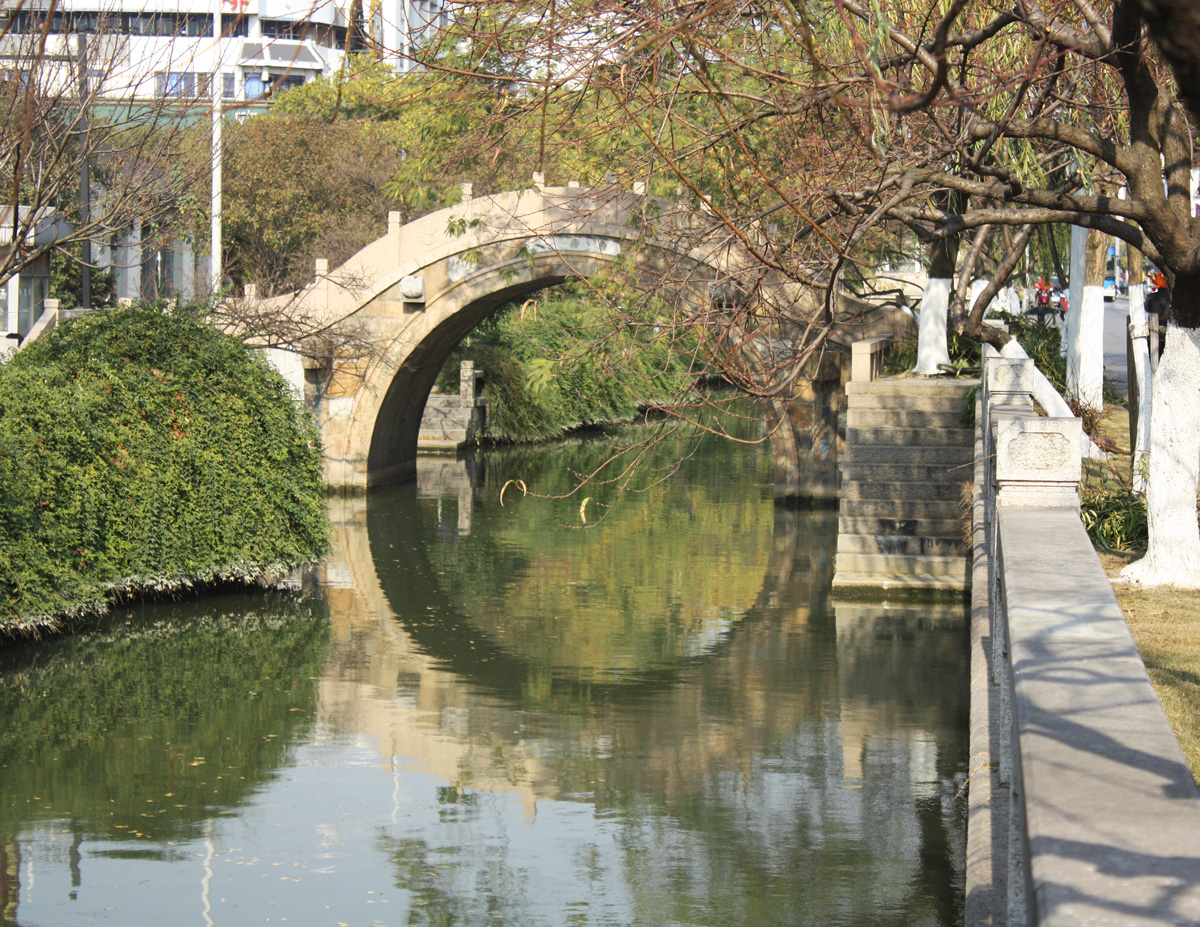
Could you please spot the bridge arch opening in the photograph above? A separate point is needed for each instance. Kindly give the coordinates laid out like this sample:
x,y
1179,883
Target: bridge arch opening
x,y
448,319
398,422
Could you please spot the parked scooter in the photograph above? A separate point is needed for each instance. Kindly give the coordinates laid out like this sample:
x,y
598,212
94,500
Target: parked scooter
x,y
1043,301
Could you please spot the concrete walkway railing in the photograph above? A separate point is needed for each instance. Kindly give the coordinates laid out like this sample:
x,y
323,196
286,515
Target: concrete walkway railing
x,y
1082,809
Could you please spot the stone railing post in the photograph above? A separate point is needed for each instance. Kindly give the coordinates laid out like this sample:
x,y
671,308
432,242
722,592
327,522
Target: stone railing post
x,y
324,285
866,358
1037,461
1006,388
466,383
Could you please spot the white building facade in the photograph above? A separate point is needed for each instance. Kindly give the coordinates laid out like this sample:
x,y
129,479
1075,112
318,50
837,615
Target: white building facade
x,y
180,52
156,49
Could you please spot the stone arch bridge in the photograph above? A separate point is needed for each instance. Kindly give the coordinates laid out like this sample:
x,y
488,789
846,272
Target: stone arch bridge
x,y
413,294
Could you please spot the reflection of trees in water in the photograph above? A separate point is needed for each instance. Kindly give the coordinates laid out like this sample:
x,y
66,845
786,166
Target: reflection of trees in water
x,y
441,894
158,719
778,777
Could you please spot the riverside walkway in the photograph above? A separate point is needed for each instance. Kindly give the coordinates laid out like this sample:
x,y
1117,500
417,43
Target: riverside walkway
x,y
1082,809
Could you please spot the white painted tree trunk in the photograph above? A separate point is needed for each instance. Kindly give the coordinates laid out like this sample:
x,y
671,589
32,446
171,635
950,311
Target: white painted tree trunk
x,y
931,333
1077,270
1173,556
1140,374
978,285
1085,350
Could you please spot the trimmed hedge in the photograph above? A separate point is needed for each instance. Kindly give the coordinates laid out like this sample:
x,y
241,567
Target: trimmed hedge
x,y
147,451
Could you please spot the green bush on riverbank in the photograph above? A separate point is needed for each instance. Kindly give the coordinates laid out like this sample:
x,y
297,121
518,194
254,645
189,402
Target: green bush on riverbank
x,y
139,451
567,361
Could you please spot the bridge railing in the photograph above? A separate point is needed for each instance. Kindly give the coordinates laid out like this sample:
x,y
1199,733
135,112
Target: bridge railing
x,y
1082,809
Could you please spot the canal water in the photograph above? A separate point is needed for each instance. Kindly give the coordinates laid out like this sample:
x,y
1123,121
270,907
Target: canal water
x,y
478,713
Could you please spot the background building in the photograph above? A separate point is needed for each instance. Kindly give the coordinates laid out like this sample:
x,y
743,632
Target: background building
x,y
163,56
166,49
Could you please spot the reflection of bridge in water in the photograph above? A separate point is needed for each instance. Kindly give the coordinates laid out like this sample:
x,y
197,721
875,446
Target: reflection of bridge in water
x,y
440,697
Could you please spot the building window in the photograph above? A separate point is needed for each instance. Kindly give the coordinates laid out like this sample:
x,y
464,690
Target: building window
x,y
199,25
228,86
177,84
140,24
255,88
288,82
235,27
283,29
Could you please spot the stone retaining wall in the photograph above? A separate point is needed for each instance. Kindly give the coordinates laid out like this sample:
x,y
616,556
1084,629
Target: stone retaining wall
x,y
451,420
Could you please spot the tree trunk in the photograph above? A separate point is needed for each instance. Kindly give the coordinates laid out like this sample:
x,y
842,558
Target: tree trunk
x,y
1138,374
932,348
1173,556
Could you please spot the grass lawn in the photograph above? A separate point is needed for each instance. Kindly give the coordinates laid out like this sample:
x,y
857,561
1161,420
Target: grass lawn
x,y
1165,622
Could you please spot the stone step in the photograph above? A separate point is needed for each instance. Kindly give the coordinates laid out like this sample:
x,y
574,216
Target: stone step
x,y
936,473
904,564
911,387
951,405
897,544
911,582
896,489
904,418
910,437
900,508
949,456
904,527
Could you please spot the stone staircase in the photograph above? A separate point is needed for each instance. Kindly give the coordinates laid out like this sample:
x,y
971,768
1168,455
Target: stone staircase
x,y
905,469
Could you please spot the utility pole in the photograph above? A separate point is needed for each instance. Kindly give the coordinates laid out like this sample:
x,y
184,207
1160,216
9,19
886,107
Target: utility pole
x,y
85,183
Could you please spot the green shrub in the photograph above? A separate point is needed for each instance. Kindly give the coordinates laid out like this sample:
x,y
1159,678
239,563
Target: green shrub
x,y
1115,519
147,451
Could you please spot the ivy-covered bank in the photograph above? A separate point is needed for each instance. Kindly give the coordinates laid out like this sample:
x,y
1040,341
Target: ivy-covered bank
x,y
143,450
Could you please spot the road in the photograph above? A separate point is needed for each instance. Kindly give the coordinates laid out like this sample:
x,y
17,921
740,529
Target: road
x,y
1116,317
